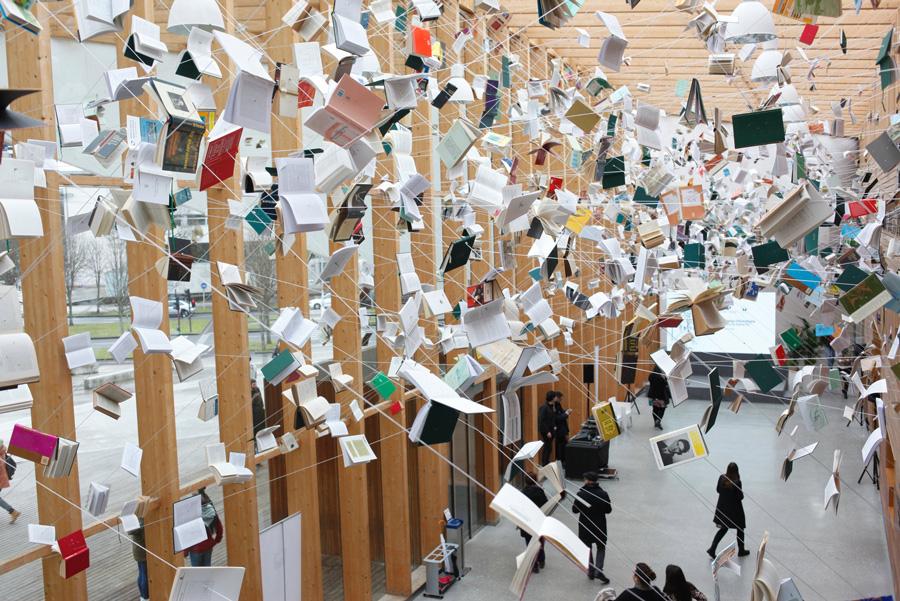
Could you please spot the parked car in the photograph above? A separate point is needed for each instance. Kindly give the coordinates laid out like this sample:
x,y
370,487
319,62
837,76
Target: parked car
x,y
180,309
320,303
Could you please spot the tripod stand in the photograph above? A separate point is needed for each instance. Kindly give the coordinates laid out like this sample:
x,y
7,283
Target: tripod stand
x,y
873,475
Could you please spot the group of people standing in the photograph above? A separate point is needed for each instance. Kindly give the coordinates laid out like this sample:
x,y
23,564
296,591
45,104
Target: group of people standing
x,y
592,503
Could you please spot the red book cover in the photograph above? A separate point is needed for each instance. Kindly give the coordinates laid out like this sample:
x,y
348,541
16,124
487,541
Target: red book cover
x,y
218,165
306,94
779,355
808,35
555,184
76,557
860,208
670,321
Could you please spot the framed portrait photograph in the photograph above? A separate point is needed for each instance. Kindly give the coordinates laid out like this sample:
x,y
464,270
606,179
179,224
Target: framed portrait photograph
x,y
679,446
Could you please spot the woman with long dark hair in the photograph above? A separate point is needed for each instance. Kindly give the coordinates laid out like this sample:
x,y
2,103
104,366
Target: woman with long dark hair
x,y
677,588
729,510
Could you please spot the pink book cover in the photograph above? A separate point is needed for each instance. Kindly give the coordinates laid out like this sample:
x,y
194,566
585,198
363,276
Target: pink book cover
x,y
32,444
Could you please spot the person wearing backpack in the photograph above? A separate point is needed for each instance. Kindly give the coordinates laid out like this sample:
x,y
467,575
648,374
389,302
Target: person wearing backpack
x,y
6,474
201,553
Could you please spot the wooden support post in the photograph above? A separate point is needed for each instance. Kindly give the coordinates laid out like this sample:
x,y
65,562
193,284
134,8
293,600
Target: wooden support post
x,y
233,371
153,392
393,448
487,422
352,493
433,471
41,260
298,486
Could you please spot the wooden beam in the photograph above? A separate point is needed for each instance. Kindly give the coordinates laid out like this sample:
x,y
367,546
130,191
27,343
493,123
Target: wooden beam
x,y
352,481
233,370
43,280
297,484
153,392
393,446
432,467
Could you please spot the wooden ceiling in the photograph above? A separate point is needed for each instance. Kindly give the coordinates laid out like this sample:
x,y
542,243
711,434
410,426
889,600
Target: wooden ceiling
x,y
661,52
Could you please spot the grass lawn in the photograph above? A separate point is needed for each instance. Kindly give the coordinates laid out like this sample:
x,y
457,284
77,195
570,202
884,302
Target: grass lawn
x,y
111,329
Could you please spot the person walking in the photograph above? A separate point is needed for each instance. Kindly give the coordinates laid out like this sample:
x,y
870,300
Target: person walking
x,y
536,495
561,434
729,510
592,504
201,553
7,469
139,552
643,589
677,588
547,425
659,396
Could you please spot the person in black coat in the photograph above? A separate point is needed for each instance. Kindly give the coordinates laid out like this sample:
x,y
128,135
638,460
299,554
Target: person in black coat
x,y
643,589
592,503
659,395
547,425
536,494
561,435
729,510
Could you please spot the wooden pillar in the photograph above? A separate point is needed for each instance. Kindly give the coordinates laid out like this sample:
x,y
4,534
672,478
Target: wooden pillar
x,y
352,494
432,468
233,368
487,422
453,282
41,260
153,392
293,480
521,145
393,446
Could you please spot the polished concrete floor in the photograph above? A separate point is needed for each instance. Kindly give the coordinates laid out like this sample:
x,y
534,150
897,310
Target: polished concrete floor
x,y
666,517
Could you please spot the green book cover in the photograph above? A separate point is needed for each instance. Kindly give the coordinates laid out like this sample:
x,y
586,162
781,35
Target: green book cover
x,y
614,172
811,242
258,220
792,339
611,125
641,196
860,295
768,254
763,373
694,255
277,364
850,277
458,253
383,385
758,128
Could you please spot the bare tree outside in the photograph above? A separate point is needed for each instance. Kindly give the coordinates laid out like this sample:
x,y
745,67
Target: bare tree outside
x,y
96,266
260,266
117,276
75,260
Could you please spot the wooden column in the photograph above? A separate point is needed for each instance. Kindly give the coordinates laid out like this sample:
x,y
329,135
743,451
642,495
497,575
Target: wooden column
x,y
41,259
433,471
393,447
488,423
297,486
452,282
352,495
154,396
521,146
233,368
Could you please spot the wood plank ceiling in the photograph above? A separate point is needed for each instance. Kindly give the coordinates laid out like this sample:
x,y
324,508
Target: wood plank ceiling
x,y
661,52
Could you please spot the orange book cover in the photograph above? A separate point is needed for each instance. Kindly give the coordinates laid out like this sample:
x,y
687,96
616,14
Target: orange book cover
x,y
421,42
